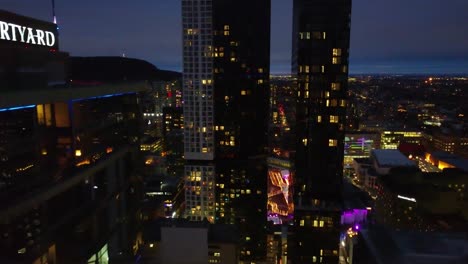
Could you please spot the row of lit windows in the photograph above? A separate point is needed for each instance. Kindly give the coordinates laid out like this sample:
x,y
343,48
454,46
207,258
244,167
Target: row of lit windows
x,y
312,35
320,68
313,68
334,86
331,142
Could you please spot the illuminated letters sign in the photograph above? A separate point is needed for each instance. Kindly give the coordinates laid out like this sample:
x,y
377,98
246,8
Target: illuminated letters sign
x,y
28,35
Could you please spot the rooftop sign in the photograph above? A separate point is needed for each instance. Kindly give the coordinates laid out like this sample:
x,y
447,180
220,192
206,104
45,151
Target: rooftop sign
x,y
20,29
34,36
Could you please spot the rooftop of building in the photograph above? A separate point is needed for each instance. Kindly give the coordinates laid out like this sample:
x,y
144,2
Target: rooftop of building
x,y
364,132
217,233
432,198
451,159
388,246
354,197
13,99
402,129
391,158
363,161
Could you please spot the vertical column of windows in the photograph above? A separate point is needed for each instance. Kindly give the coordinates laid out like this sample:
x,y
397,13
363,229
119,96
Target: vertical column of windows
x,y
198,86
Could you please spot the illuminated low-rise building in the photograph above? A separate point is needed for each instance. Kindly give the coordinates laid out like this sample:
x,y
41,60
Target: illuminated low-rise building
x,y
391,139
359,145
381,162
450,142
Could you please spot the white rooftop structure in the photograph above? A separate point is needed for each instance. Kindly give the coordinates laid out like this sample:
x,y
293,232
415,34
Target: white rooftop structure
x,y
385,159
391,158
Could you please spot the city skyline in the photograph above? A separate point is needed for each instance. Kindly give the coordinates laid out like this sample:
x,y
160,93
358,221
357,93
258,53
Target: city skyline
x,y
388,37
106,159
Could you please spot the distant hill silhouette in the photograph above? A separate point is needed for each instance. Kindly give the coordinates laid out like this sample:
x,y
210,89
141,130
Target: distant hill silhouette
x,y
112,69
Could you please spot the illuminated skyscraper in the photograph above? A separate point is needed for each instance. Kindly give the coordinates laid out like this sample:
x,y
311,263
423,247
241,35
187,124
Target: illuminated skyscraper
x,y
226,72
321,33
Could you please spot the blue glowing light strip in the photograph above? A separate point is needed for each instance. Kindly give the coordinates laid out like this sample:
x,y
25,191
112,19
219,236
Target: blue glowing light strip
x,y
102,96
16,108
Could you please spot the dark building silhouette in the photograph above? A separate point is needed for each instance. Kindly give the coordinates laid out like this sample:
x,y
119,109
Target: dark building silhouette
x,y
321,34
226,91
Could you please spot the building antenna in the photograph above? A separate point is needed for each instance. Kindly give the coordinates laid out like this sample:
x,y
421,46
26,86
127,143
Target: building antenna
x,y
53,12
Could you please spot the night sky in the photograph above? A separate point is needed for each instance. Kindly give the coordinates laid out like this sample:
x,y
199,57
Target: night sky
x,y
387,36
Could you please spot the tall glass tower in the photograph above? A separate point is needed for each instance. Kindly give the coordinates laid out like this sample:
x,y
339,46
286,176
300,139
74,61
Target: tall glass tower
x,y
226,47
321,36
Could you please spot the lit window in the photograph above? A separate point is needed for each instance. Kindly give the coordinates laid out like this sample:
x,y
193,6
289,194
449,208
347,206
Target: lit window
x,y
243,92
301,223
321,223
336,52
319,119
336,60
334,119
335,86
315,223
332,142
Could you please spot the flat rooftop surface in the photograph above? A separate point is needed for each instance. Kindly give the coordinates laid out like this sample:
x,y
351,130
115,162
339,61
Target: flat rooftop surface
x,y
391,158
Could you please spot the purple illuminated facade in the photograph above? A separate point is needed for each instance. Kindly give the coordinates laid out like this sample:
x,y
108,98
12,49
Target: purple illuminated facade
x,y
354,217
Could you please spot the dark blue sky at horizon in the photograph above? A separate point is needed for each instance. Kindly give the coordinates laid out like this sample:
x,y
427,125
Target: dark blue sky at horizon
x,y
397,36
